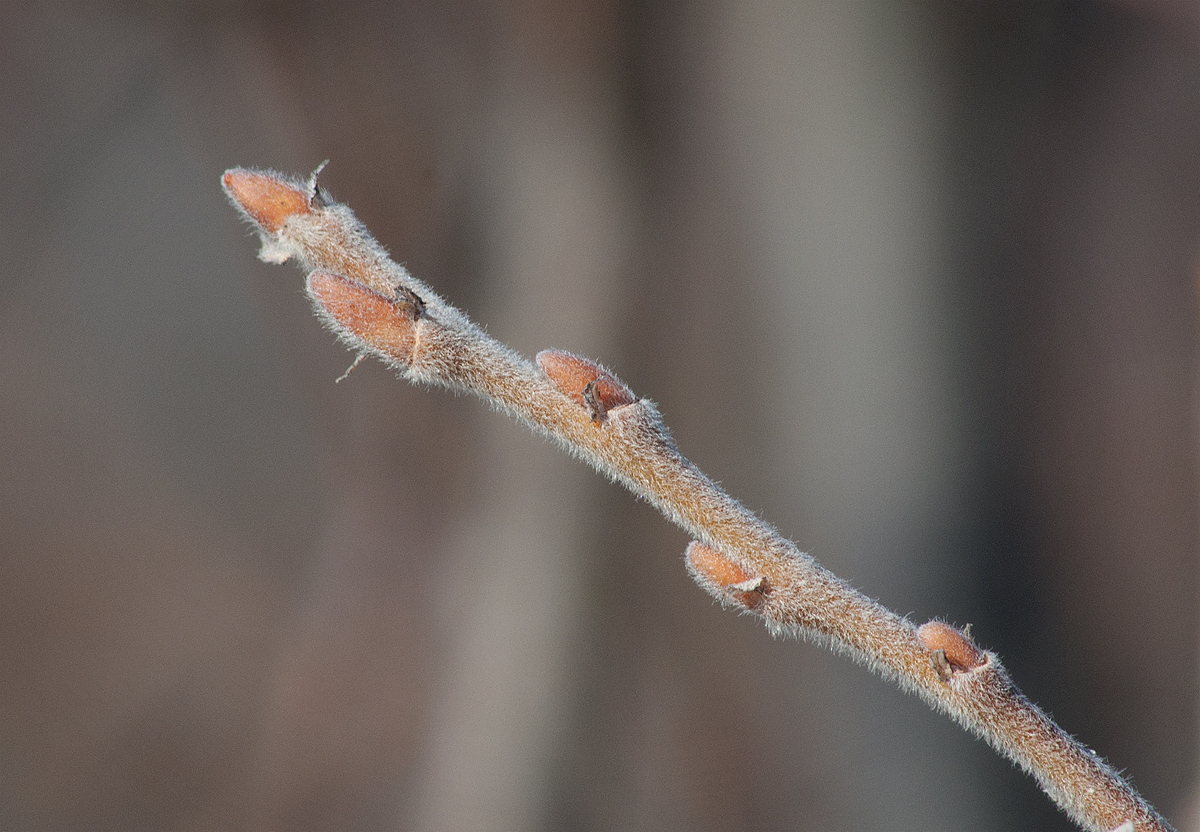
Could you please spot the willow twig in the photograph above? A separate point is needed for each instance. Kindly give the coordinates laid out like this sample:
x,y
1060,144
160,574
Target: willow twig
x,y
378,308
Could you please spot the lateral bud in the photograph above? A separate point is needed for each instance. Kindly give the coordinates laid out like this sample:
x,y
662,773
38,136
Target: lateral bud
x,y
382,323
590,385
731,578
951,650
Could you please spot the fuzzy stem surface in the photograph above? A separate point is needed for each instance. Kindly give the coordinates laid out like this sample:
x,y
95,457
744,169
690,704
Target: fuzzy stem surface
x,y
376,307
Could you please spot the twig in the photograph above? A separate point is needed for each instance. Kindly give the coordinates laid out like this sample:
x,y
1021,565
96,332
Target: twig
x,y
377,308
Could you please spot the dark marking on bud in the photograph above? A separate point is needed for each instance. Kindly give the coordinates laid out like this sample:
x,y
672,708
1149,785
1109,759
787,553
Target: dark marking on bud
x,y
735,582
597,412
950,649
941,664
409,300
594,388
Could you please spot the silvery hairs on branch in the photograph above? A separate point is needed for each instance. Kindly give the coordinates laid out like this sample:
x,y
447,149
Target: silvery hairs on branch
x,y
377,308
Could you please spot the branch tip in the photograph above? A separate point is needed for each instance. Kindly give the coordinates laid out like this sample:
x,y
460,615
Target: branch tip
x,y
267,199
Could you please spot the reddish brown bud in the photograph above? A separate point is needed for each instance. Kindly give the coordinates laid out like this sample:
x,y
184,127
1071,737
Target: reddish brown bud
x,y
742,586
716,567
960,652
269,200
586,382
387,325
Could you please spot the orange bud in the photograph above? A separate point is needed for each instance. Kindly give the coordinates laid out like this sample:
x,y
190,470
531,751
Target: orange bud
x,y
586,382
744,587
961,652
267,199
716,567
385,324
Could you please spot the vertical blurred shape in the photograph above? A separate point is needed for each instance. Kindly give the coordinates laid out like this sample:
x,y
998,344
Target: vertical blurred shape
x,y
835,121
556,228
1107,235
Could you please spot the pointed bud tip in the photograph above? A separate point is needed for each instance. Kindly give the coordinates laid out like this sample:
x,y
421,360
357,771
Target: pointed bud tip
x,y
961,652
383,323
573,374
268,199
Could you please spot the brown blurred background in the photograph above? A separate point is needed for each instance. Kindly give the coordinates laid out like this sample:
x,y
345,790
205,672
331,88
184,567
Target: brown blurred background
x,y
916,280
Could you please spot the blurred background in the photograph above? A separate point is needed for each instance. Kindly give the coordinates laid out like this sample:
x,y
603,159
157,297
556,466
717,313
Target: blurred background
x,y
915,280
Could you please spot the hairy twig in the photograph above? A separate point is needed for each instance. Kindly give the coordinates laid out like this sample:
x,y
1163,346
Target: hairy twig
x,y
377,308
